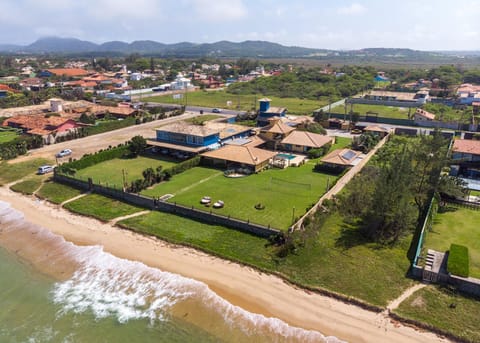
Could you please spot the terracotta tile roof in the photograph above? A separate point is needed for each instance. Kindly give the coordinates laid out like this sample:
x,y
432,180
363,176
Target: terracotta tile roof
x,y
242,154
277,127
36,124
475,103
308,139
8,89
69,71
425,114
189,129
466,146
376,128
343,157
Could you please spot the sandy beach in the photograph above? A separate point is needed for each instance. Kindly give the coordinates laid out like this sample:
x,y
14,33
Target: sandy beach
x,y
242,286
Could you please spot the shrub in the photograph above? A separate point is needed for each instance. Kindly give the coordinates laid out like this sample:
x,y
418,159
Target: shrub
x,y
90,160
458,261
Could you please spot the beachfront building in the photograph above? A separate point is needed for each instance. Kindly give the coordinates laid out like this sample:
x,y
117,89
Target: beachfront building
x,y
341,159
303,141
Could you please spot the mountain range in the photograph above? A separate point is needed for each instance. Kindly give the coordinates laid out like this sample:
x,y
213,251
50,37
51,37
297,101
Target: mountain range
x,y
257,49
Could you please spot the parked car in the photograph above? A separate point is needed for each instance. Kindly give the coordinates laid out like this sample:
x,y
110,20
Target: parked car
x,y
64,152
44,169
216,110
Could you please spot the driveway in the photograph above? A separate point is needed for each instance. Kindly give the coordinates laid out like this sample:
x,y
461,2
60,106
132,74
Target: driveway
x,y
94,143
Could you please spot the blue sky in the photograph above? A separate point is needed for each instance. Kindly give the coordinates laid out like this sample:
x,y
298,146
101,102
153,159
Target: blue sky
x,y
330,24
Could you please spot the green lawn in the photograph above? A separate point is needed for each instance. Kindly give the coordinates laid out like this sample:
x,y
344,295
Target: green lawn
x,y
57,192
285,193
10,171
28,186
100,207
459,226
7,135
383,111
432,305
220,98
336,258
111,171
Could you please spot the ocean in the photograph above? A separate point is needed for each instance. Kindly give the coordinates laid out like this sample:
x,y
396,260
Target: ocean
x,y
54,291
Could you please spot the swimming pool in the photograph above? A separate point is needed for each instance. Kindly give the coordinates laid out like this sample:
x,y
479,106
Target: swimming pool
x,y
286,156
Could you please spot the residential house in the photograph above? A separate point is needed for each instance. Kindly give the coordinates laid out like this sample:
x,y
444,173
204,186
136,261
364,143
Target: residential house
x,y
68,72
48,127
303,141
377,130
275,132
468,94
466,158
341,159
422,116
400,98
267,112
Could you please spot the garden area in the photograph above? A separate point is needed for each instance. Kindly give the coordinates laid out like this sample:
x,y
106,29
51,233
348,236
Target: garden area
x,y
457,225
246,102
8,134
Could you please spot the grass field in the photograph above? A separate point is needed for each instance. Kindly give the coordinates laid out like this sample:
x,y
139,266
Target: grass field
x,y
285,193
111,171
247,102
459,226
100,207
336,258
432,305
10,172
28,186
383,111
7,136
57,193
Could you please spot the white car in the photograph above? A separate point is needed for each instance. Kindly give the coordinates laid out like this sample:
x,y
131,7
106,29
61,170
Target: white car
x,y
44,169
217,110
64,152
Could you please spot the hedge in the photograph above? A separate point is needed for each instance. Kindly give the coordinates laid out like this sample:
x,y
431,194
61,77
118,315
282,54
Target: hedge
x,y
458,261
98,157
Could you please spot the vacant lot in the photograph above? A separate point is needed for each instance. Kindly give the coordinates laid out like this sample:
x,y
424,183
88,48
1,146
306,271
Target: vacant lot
x,y
111,172
382,111
57,193
243,102
460,226
10,172
445,310
8,135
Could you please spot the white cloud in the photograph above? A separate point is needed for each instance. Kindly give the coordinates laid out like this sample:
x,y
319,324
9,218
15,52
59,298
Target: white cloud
x,y
139,9
219,10
353,9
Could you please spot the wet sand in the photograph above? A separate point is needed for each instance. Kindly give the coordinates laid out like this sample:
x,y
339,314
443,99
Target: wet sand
x,y
242,286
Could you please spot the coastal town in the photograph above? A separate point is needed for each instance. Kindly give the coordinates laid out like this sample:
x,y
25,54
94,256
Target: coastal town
x,y
327,196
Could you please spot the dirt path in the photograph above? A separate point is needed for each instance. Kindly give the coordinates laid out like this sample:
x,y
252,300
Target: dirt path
x,y
197,183
408,292
136,214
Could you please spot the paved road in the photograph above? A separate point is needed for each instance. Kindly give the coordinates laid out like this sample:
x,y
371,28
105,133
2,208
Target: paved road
x,y
101,141
206,110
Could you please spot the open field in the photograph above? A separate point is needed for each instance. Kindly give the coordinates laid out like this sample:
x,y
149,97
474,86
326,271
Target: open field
x,y
459,226
335,258
57,193
111,171
246,102
285,193
100,207
8,135
10,172
383,111
433,305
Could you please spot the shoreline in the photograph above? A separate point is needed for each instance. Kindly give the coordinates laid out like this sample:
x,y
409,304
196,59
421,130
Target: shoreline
x,y
243,286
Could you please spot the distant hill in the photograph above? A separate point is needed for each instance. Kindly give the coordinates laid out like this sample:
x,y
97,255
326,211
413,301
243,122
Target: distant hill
x,y
251,49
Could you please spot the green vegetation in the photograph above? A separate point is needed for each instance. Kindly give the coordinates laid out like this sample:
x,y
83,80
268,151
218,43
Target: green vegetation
x,y
111,172
104,126
27,186
460,226
246,101
57,193
199,120
7,135
285,193
380,110
444,310
100,207
334,256
10,172
458,263
447,113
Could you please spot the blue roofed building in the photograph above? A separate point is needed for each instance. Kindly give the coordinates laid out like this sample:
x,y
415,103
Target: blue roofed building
x,y
267,112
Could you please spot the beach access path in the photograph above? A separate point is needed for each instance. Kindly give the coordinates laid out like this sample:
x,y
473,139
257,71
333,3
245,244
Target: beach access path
x,y
242,286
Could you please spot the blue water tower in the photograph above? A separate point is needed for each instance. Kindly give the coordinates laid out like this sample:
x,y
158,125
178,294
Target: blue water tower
x,y
264,104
